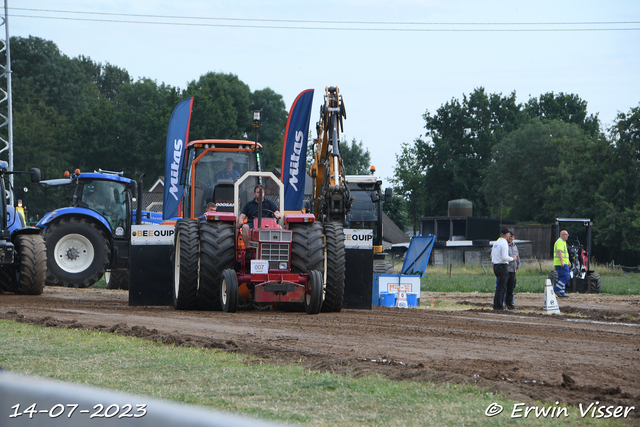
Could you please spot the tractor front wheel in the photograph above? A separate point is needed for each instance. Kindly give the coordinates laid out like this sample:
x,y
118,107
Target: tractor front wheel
x,y
313,298
229,291
78,253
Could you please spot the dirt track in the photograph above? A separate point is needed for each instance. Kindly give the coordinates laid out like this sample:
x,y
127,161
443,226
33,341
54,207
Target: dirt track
x,y
589,353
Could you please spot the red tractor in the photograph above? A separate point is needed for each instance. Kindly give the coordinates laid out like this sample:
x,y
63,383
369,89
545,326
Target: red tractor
x,y
214,269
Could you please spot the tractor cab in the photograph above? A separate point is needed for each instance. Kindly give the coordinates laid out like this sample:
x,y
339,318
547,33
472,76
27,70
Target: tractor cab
x,y
213,168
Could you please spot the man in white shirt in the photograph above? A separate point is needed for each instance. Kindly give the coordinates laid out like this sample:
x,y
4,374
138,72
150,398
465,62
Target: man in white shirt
x,y
501,259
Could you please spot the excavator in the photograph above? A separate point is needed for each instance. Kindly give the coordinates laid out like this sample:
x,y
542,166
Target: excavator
x,y
331,199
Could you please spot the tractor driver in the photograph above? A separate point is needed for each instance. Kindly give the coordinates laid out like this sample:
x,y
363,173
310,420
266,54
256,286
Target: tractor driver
x,y
228,172
250,211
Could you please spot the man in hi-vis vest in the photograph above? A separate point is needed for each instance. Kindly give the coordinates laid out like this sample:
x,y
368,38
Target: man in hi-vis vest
x,y
561,263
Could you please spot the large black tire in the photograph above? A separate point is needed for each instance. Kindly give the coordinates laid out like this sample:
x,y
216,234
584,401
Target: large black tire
x,y
217,253
117,279
307,253
32,251
229,291
6,282
382,266
596,286
313,300
78,253
336,262
307,247
185,265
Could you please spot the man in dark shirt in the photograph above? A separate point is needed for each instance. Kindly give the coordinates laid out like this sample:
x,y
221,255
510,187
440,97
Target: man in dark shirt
x,y
250,211
228,172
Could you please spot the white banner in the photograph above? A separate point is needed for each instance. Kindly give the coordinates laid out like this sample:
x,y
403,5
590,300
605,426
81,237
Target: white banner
x,y
152,234
358,239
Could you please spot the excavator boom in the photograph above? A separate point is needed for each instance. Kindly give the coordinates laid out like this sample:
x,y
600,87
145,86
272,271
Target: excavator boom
x,y
331,198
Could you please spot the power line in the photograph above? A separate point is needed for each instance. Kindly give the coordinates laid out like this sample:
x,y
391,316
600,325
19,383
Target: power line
x,y
334,23
195,24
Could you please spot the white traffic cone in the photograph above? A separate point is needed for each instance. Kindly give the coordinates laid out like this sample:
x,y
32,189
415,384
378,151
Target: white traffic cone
x,y
550,300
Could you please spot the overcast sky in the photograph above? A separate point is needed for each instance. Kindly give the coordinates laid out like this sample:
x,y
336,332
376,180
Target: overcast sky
x,y
392,60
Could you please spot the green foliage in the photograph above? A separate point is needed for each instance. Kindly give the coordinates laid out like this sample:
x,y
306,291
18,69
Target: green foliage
x,y
75,113
356,158
273,116
397,211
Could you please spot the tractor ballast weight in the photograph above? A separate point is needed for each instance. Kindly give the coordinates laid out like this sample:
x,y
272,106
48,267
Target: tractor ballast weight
x,y
91,238
583,279
281,264
23,257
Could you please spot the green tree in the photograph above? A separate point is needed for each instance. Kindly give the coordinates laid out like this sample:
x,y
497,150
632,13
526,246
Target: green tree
x,y
568,108
221,107
458,148
273,115
409,183
617,219
356,158
542,171
396,210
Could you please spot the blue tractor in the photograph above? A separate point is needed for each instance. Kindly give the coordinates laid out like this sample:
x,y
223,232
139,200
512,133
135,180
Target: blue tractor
x,y
91,238
23,257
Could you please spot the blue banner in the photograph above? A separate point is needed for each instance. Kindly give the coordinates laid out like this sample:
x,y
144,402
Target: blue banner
x,y
177,139
294,151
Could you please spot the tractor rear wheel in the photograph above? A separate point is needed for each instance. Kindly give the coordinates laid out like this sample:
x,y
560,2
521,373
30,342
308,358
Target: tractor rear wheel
x,y
336,264
78,253
307,247
6,283
313,299
217,253
117,279
596,286
307,253
32,251
229,291
185,265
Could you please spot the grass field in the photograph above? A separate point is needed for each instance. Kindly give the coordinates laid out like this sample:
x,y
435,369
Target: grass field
x,y
531,278
230,382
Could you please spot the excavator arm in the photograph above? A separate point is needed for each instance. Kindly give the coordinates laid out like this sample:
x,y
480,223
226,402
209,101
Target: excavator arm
x,y
331,198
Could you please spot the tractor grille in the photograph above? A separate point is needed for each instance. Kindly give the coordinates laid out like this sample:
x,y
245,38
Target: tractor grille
x,y
275,253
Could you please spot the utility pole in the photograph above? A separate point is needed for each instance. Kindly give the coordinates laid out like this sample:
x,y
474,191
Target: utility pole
x,y
6,97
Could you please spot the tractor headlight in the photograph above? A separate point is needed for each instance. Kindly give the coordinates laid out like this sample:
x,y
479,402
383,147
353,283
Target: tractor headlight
x,y
282,266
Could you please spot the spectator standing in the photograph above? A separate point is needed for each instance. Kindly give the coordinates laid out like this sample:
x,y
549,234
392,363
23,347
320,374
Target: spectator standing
x,y
500,259
561,263
512,268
